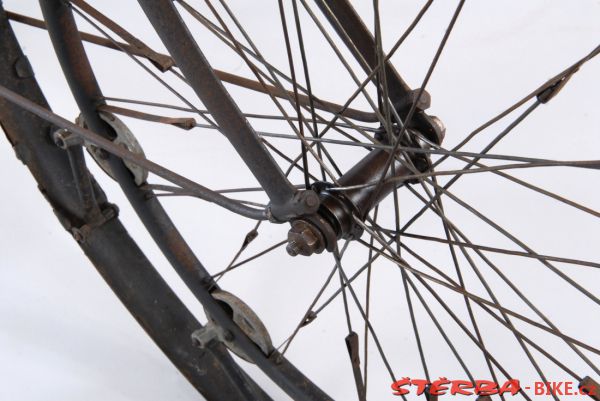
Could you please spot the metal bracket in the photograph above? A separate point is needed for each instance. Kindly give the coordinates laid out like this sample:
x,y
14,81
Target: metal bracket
x,y
64,139
423,102
125,138
80,234
244,317
303,203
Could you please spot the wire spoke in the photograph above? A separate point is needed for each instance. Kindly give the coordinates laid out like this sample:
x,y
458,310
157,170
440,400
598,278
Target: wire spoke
x,y
494,249
148,70
248,238
315,130
309,316
342,60
586,164
455,232
519,243
461,282
420,92
449,231
249,259
255,71
560,78
495,316
458,321
456,288
368,305
375,70
345,284
295,86
309,129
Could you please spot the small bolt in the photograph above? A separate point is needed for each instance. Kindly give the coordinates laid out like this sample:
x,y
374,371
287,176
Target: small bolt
x,y
440,129
77,235
292,248
304,239
227,335
63,138
311,199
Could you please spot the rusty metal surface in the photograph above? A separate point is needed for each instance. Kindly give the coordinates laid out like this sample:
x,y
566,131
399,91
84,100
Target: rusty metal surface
x,y
185,123
224,76
358,39
162,61
81,79
590,387
302,99
209,88
108,245
119,153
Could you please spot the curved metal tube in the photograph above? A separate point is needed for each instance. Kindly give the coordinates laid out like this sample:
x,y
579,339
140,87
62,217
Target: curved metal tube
x,y
201,77
95,139
68,46
107,244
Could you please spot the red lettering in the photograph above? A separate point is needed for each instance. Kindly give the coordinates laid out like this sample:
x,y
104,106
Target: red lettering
x,y
539,388
568,388
589,390
511,386
439,387
555,388
397,386
460,387
485,387
421,385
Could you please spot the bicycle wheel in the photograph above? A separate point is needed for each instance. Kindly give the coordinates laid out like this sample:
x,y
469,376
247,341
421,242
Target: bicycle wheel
x,y
357,187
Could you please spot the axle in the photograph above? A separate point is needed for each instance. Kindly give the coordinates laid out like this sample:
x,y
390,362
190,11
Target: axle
x,y
370,181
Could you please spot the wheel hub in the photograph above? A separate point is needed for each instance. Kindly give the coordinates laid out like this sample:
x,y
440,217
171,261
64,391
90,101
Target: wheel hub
x,y
335,218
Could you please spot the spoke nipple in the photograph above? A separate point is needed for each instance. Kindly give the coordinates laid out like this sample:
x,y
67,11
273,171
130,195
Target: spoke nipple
x,y
309,318
590,387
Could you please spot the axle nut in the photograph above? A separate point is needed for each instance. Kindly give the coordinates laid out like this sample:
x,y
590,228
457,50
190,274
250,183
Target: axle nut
x,y
304,239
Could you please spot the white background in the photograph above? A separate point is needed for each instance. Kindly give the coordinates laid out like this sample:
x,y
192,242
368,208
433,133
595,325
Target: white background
x,y
64,336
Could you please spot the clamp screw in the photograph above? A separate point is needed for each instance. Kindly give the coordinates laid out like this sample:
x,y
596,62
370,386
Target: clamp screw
x,y
64,138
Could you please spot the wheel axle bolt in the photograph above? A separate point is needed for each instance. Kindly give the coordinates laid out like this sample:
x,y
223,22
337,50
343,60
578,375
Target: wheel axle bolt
x,y
292,248
304,239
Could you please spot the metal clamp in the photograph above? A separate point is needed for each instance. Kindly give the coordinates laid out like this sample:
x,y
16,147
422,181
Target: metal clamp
x,y
244,317
125,138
